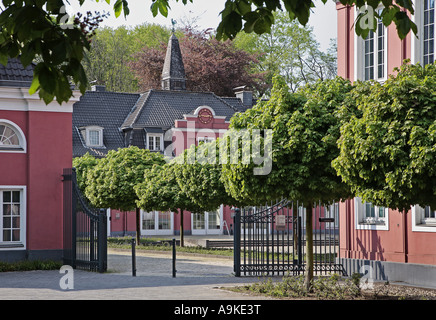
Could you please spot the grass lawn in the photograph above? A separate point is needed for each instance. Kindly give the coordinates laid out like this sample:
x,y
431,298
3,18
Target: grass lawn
x,y
158,244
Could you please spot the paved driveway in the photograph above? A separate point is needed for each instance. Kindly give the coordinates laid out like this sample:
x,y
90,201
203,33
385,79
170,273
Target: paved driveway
x,y
198,278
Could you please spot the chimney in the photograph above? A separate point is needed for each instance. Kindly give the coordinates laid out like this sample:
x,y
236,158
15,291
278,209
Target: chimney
x,y
99,88
244,94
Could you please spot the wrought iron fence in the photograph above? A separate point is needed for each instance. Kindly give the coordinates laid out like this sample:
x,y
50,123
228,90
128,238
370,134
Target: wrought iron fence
x,y
85,234
271,240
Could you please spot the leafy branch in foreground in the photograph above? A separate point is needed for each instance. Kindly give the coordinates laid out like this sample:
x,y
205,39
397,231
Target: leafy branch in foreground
x,y
31,29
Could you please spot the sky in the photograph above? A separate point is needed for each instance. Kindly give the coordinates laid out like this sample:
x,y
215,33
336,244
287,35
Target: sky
x,y
206,12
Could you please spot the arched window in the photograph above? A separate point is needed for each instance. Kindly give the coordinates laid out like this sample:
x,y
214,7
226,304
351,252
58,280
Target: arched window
x,y
11,137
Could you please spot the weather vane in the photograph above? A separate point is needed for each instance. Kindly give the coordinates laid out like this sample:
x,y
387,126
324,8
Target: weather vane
x,y
173,22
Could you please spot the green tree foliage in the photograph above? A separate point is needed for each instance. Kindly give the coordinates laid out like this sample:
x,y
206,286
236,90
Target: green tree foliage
x,y
387,150
31,29
306,126
160,191
210,65
257,15
290,50
112,181
107,61
198,174
82,165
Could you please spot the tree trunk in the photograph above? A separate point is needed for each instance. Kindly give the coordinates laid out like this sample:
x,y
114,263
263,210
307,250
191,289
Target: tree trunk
x,y
309,246
138,226
182,236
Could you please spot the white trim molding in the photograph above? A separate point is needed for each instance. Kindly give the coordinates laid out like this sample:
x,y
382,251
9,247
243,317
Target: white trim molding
x,y
359,54
19,99
88,130
359,216
417,221
21,137
154,135
203,107
417,51
16,245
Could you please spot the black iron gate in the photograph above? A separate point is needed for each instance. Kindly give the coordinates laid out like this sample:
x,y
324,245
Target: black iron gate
x,y
85,234
270,240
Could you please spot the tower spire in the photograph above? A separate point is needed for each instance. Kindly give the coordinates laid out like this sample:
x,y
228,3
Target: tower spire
x,y
173,73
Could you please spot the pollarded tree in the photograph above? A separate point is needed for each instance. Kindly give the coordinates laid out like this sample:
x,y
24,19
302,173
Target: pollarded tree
x,y
160,191
111,182
387,152
305,127
82,165
198,174
239,178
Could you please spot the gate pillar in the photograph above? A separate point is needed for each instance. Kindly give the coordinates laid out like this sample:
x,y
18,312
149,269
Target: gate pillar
x,y
237,242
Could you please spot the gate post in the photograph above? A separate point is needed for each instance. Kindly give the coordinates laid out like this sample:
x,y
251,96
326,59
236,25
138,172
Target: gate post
x,y
73,219
237,242
102,241
300,246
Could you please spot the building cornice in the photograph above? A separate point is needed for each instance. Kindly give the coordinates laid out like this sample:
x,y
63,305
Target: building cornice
x,y
19,99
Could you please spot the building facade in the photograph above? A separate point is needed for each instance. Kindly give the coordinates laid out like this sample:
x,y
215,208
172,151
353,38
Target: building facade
x,y
35,146
395,245
169,121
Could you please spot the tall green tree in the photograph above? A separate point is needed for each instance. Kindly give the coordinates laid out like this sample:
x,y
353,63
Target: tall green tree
x,y
210,65
387,149
112,181
290,50
306,126
107,61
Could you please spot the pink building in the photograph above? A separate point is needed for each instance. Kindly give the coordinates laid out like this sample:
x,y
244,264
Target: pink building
x,y
396,246
169,121
35,146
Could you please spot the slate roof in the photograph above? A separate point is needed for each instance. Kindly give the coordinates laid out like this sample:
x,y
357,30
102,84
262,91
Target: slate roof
x,y
152,111
127,117
173,64
159,108
104,109
15,75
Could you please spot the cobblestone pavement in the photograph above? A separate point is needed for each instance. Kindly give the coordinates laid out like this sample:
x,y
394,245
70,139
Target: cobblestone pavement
x,y
198,278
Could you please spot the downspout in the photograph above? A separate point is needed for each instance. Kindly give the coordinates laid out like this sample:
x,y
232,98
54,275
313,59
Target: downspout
x,y
347,38
405,231
405,238
348,228
404,45
28,187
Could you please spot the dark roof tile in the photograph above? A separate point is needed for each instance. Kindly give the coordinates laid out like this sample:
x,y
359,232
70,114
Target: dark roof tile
x,y
15,75
157,109
105,109
162,107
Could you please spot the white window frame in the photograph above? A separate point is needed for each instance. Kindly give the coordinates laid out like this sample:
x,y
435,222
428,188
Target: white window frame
x,y
420,223
21,244
359,54
417,43
205,139
154,135
364,223
202,226
100,136
22,147
155,218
